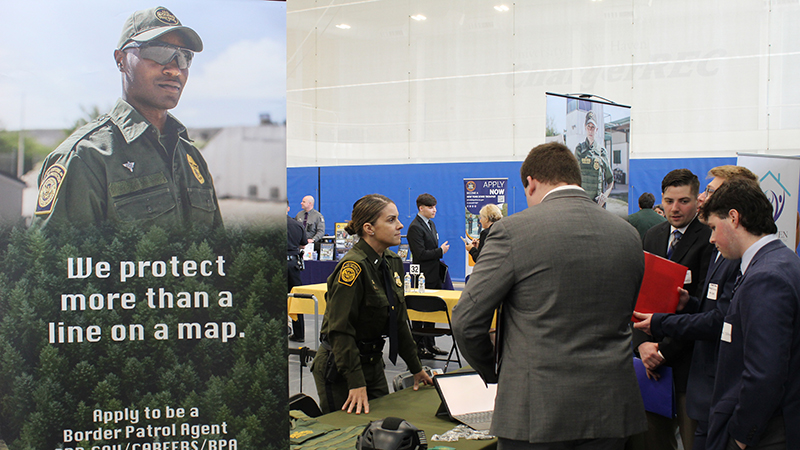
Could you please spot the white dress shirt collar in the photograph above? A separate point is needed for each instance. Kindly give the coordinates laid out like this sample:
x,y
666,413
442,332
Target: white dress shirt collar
x,y
753,249
563,188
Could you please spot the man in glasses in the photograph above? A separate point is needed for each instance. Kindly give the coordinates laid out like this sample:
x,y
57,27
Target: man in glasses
x,y
135,164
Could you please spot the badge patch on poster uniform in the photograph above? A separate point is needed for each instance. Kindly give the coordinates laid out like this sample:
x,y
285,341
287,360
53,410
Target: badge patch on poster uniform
x,y
596,165
195,169
48,190
167,17
349,273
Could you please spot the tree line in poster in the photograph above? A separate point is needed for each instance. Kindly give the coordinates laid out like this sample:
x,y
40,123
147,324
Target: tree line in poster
x,y
225,373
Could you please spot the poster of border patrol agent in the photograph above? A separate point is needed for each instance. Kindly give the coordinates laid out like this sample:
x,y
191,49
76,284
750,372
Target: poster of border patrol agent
x,y
142,283
599,134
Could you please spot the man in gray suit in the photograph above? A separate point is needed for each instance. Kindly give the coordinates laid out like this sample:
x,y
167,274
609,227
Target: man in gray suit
x,y
566,273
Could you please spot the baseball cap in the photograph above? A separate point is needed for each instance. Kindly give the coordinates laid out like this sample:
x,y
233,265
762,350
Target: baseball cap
x,y
590,119
149,24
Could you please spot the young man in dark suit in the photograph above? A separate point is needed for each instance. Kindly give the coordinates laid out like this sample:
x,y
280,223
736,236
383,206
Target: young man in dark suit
x,y
756,401
700,319
684,240
423,241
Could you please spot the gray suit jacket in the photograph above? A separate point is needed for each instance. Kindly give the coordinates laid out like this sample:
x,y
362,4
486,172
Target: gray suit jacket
x,y
567,274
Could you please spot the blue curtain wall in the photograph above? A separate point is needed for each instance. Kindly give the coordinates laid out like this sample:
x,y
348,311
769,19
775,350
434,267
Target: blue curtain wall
x,y
336,188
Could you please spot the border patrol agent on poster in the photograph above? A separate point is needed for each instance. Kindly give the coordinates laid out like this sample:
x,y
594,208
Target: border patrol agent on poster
x,y
597,178
136,163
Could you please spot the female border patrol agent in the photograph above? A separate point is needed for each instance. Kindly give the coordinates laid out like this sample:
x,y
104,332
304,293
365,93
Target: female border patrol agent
x,y
348,369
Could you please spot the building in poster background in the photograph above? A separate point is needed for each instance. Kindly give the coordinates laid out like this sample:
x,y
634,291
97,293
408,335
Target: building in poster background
x,y
599,134
780,180
479,192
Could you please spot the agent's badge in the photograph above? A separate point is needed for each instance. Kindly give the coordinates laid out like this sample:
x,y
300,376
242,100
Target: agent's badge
x,y
586,160
48,190
349,273
195,169
596,165
397,280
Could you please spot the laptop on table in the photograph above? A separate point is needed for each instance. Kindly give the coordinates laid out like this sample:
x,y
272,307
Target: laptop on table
x,y
466,398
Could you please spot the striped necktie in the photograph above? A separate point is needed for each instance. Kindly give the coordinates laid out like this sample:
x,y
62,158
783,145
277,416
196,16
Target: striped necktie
x,y
676,236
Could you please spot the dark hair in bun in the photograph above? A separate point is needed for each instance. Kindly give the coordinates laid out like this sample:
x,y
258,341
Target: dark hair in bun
x,y
366,210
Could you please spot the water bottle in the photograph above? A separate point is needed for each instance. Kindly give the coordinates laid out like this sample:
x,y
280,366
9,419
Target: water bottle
x,y
421,283
407,283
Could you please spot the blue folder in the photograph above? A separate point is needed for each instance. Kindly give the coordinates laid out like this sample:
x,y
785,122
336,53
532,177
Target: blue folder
x,y
658,396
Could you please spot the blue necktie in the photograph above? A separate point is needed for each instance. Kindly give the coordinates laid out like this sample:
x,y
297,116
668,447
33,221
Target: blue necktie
x,y
676,236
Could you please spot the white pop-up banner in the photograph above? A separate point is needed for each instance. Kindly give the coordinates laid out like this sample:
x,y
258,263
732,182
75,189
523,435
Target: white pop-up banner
x,y
780,179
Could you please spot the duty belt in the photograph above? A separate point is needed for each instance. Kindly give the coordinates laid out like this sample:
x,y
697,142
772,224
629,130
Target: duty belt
x,y
371,351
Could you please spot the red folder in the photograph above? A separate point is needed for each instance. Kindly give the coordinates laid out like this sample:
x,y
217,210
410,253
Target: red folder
x,y
659,291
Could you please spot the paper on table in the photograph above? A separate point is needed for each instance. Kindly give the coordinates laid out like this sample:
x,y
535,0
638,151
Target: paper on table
x,y
659,291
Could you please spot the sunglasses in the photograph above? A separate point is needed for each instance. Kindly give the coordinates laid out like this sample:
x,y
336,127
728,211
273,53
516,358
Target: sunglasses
x,y
163,53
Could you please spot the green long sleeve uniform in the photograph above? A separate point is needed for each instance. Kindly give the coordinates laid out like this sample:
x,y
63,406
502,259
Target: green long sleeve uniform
x,y
358,310
119,168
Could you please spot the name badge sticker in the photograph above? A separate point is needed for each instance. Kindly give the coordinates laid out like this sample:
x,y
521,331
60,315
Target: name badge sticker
x,y
726,332
712,291
688,279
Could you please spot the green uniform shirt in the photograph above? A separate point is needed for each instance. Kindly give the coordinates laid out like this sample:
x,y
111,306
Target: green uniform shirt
x,y
119,168
358,309
596,173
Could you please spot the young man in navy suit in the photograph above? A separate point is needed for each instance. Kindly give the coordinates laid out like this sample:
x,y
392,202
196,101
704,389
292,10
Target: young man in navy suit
x,y
423,240
700,319
756,401
682,239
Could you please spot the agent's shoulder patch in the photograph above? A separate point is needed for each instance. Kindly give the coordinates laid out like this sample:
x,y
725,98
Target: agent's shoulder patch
x,y
349,273
48,190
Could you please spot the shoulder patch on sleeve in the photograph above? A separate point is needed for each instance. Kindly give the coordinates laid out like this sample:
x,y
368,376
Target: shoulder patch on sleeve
x,y
349,273
48,190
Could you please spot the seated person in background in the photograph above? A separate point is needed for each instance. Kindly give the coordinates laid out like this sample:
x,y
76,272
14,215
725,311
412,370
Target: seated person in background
x,y
489,215
365,304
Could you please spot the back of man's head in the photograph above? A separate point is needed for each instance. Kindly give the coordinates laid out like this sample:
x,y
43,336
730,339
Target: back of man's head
x,y
681,177
747,198
551,163
647,200
730,172
426,200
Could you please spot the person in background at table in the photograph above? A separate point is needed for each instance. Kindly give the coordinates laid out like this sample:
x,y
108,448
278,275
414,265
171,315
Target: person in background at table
x,y
365,306
295,241
488,215
312,221
646,217
565,378
423,241
659,208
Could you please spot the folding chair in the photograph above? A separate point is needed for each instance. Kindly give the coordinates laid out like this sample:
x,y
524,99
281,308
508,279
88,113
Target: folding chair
x,y
303,402
429,303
